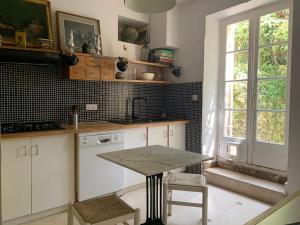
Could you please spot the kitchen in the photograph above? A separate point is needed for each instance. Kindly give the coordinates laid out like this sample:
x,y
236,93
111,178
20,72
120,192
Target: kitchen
x,y
43,171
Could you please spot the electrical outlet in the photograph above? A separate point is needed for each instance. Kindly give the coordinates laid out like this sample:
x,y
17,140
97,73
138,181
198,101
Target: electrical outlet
x,y
194,98
90,107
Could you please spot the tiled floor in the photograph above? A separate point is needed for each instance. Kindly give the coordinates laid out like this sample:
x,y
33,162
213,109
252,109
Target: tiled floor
x,y
225,208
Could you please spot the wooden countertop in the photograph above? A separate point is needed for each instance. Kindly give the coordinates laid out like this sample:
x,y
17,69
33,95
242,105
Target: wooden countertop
x,y
88,127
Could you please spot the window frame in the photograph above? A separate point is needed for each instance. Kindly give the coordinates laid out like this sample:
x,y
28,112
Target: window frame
x,y
253,16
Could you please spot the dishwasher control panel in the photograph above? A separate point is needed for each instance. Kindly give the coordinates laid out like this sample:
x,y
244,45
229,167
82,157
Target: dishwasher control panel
x,y
88,140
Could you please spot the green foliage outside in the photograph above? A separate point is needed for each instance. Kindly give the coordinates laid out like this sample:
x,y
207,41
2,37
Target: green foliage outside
x,y
271,93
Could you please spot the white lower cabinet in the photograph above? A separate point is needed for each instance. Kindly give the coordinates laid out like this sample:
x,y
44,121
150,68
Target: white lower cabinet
x,y
52,172
15,178
135,138
158,135
177,136
36,174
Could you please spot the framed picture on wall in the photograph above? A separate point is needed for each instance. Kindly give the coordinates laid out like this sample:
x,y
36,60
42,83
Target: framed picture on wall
x,y
84,30
33,17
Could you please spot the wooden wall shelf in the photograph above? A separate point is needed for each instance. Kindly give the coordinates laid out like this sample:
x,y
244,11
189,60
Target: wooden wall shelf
x,y
29,49
29,55
149,64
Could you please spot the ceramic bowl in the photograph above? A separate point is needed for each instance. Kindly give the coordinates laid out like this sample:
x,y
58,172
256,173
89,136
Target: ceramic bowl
x,y
146,76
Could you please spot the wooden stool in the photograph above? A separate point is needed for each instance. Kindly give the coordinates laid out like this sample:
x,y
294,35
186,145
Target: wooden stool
x,y
107,210
185,182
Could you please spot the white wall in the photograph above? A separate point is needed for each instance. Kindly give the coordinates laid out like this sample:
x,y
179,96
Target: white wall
x,y
107,12
294,127
210,87
190,54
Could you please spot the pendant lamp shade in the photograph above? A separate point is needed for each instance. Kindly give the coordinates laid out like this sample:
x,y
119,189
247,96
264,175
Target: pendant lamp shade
x,y
150,6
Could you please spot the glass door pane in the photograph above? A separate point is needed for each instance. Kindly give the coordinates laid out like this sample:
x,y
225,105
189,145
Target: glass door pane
x,y
271,77
270,141
236,80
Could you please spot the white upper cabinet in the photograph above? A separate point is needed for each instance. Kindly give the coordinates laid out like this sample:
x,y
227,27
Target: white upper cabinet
x,y
15,178
164,29
158,135
52,172
135,138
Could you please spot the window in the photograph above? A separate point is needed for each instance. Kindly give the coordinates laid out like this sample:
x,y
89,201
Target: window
x,y
254,89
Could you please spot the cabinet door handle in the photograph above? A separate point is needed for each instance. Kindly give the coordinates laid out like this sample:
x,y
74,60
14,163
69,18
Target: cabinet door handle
x,y
37,150
165,133
143,136
171,133
25,150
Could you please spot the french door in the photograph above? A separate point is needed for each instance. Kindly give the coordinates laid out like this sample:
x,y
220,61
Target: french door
x,y
254,89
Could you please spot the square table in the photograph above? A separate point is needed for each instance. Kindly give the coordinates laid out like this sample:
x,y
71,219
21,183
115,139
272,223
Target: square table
x,y
153,161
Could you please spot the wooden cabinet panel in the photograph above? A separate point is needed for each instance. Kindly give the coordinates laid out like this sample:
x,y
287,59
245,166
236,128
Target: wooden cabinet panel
x,y
82,60
77,73
93,73
15,178
92,61
92,68
52,172
107,69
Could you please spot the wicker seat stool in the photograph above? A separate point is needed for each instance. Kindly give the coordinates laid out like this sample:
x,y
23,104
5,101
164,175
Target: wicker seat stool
x,y
107,210
185,182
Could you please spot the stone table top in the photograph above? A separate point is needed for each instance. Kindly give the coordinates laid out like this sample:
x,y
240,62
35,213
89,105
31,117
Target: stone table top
x,y
155,159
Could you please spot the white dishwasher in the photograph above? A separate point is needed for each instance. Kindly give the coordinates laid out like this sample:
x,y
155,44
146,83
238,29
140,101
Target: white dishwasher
x,y
96,176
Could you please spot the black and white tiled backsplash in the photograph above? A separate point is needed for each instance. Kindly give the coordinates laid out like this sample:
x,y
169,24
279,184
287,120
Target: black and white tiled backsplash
x,y
31,93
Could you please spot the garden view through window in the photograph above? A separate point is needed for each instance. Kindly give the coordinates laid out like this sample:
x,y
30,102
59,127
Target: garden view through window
x,y
256,90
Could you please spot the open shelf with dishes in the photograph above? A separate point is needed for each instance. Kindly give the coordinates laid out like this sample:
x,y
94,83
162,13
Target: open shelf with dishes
x,y
141,72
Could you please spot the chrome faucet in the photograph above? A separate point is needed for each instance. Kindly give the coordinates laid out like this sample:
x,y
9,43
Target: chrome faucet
x,y
133,116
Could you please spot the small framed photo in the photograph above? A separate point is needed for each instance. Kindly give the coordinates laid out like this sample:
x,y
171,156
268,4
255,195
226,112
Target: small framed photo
x,y
84,30
20,38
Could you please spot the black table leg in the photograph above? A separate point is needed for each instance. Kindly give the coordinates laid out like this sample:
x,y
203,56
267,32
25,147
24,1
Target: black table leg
x,y
154,200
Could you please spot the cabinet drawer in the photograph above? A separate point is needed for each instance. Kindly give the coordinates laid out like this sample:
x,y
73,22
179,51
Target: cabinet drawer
x,y
77,73
92,73
82,60
107,74
107,69
92,61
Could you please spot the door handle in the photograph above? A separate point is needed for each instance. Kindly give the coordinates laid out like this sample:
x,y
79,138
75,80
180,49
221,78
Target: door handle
x,y
165,133
106,140
36,150
25,150
143,136
171,133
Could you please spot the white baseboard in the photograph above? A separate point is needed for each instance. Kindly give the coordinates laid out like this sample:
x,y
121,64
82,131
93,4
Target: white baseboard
x,y
133,188
36,216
